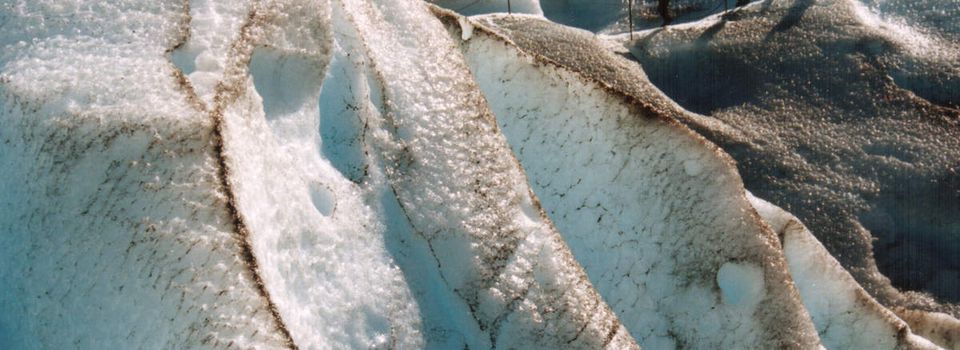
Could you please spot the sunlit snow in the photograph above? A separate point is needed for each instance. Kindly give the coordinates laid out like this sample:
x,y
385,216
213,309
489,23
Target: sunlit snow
x,y
449,174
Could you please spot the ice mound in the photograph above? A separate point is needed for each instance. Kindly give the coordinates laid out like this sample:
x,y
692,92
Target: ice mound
x,y
589,207
176,188
646,227
847,121
381,174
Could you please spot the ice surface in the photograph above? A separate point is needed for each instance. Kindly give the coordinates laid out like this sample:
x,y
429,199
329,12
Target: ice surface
x,y
113,229
840,116
651,230
582,56
475,7
845,315
464,195
330,174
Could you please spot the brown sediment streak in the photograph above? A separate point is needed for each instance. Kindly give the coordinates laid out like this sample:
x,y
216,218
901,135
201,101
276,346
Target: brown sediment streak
x,y
227,91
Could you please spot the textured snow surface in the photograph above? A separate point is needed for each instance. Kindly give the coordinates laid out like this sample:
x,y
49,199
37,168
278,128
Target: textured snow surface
x,y
579,53
114,231
287,184
463,198
329,174
840,116
846,316
652,235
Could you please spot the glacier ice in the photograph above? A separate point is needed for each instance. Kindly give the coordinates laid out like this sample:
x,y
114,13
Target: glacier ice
x,y
386,174
840,116
644,240
113,212
555,188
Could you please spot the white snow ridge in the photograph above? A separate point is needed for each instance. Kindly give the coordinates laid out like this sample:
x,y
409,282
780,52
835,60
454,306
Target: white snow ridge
x,y
354,174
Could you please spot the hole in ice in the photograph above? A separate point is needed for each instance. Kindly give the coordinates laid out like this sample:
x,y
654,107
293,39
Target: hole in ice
x,y
184,59
323,199
378,325
740,284
284,81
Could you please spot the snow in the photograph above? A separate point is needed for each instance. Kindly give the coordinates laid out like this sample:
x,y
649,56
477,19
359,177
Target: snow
x,y
112,228
216,201
845,315
838,113
464,195
931,17
652,238
368,174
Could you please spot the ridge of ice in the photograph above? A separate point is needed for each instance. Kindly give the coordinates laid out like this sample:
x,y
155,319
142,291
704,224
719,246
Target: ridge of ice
x,y
366,174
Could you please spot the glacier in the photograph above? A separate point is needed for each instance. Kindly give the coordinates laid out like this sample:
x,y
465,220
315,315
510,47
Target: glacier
x,y
859,140
327,174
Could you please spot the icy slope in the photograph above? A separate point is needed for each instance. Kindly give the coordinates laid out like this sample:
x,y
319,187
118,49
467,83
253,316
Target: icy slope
x,y
656,216
330,174
464,197
114,228
209,204
845,315
303,220
832,123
